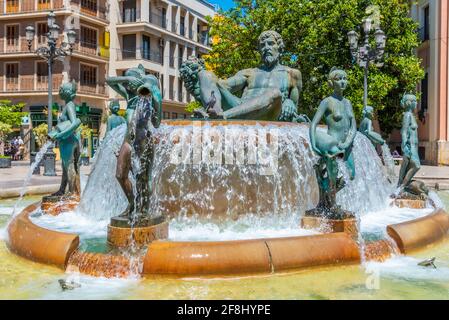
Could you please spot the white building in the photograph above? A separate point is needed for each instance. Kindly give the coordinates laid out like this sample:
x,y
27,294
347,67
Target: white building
x,y
159,34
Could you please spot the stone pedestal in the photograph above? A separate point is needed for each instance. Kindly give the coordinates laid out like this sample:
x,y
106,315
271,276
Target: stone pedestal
x,y
120,234
55,205
325,225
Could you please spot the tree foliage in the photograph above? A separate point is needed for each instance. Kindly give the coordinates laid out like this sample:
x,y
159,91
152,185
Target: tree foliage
x,y
315,37
41,134
11,113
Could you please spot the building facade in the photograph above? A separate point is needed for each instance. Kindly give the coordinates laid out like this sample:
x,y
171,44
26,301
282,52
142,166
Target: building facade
x,y
433,107
112,36
159,34
24,76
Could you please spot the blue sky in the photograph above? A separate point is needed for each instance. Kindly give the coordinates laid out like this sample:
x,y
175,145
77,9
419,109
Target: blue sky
x,y
224,4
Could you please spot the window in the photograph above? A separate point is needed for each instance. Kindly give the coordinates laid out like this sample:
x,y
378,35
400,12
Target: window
x,y
90,5
88,75
129,46
42,30
12,76
43,4
426,23
146,47
165,115
12,6
174,115
12,35
41,71
129,11
88,37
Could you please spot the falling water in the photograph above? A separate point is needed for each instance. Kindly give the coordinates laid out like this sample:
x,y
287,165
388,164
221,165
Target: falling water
x,y
371,188
102,197
389,163
240,193
27,179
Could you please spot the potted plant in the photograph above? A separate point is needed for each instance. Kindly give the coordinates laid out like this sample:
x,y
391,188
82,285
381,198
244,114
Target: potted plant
x,y
85,133
5,129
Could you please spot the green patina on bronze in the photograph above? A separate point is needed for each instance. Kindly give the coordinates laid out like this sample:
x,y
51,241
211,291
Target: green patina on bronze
x,y
366,127
114,120
411,163
144,110
336,142
69,140
269,92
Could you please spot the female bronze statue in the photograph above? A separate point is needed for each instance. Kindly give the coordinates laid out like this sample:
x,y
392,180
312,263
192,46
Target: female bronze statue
x,y
337,141
409,132
69,142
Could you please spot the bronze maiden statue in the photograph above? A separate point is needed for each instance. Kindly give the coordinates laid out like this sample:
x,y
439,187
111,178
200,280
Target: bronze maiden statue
x,y
411,163
69,142
269,92
114,120
336,142
366,127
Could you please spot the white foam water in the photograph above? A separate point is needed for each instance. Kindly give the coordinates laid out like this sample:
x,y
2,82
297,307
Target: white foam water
x,y
102,197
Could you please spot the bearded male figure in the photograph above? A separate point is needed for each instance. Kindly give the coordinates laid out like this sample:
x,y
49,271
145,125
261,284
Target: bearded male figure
x,y
269,92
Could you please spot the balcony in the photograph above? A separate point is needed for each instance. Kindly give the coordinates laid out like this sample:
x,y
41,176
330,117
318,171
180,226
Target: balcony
x,y
129,16
90,9
138,53
13,45
91,49
158,20
94,88
29,83
203,38
25,6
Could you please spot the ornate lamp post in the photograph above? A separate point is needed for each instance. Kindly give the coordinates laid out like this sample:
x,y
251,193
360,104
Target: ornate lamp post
x,y
50,53
365,54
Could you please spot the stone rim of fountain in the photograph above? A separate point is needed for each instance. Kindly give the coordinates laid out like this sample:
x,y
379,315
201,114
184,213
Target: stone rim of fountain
x,y
226,258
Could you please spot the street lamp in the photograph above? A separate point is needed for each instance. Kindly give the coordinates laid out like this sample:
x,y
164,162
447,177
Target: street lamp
x,y
50,53
365,55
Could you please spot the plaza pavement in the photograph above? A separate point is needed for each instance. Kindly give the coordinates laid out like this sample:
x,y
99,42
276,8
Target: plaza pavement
x,y
11,179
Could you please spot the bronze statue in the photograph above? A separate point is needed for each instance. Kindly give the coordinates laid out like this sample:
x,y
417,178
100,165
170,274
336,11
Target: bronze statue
x,y
114,120
269,92
366,127
136,154
411,163
336,142
69,142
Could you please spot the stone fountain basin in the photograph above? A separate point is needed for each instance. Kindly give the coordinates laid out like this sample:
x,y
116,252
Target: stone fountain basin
x,y
224,258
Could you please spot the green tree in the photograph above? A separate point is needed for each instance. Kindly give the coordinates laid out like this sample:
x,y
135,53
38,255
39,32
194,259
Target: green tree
x,y
41,134
315,36
11,113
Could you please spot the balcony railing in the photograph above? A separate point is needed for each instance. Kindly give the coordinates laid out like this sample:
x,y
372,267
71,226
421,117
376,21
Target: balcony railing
x,y
158,20
94,88
24,6
91,9
18,45
423,34
29,83
129,16
203,39
138,53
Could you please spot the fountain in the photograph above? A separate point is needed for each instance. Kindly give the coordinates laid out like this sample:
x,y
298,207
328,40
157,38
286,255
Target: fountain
x,y
243,188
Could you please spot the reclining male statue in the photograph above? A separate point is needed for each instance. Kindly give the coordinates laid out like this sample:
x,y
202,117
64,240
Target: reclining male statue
x,y
269,92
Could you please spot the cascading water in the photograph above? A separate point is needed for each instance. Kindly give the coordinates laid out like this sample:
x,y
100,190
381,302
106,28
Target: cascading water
x,y
240,185
389,163
102,197
27,179
371,188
